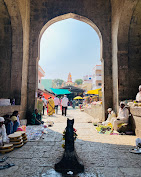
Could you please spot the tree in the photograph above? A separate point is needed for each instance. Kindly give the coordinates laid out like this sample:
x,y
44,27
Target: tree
x,y
58,82
78,81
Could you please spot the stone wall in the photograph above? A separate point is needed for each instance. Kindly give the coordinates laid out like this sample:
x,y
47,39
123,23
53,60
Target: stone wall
x,y
123,39
136,120
9,109
17,50
122,12
96,112
19,12
134,46
11,50
5,51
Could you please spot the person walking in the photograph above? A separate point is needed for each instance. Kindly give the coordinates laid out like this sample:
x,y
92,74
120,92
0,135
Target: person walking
x,y
64,105
73,104
50,106
40,105
44,104
56,102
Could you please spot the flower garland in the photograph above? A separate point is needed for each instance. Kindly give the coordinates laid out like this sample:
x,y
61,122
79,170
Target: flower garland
x,y
74,135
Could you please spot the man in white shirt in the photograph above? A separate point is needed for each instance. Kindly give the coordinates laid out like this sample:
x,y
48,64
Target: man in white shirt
x,y
44,104
138,96
2,132
64,104
56,102
123,116
111,114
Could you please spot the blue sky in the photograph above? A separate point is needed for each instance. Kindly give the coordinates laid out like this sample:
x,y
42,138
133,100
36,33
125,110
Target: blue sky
x,y
69,46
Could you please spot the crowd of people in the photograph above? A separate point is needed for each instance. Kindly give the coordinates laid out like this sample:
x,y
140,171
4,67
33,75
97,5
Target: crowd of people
x,y
10,124
52,108
122,116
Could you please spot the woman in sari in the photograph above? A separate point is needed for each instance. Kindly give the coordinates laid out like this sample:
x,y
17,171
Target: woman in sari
x,y
50,107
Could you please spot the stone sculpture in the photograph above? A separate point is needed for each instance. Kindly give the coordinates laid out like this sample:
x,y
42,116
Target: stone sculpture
x,y
69,161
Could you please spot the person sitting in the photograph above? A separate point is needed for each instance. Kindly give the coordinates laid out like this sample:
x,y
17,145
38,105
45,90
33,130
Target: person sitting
x,y
8,124
16,113
36,118
138,96
123,116
15,123
111,114
2,132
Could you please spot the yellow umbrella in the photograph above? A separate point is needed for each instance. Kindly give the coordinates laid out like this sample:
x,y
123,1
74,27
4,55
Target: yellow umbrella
x,y
78,98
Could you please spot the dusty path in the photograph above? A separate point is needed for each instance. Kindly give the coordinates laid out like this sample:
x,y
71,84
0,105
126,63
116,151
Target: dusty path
x,y
102,155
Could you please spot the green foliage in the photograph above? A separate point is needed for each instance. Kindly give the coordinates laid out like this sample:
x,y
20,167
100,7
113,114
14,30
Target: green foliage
x,y
78,81
58,82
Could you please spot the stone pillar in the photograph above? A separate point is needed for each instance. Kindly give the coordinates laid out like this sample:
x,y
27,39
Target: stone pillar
x,y
116,12
32,77
25,14
107,73
17,54
123,75
5,51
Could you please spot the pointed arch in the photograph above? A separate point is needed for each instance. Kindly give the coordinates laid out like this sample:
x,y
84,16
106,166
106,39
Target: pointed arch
x,y
89,22
76,17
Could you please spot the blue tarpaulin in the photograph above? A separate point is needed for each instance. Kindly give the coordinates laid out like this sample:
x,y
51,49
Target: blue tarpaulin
x,y
60,91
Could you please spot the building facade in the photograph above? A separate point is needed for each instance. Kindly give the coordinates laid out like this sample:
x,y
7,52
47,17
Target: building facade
x,y
44,85
41,73
87,82
97,77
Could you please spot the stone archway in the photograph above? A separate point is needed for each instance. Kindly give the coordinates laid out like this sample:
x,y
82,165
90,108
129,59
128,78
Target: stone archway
x,y
80,18
76,17
47,11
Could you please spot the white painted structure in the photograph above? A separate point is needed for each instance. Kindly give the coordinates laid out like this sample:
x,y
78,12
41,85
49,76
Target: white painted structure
x,y
97,77
41,73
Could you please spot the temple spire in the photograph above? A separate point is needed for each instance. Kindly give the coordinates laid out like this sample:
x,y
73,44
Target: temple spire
x,y
69,78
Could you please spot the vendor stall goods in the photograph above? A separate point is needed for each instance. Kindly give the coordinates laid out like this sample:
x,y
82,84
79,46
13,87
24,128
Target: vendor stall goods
x,y
6,148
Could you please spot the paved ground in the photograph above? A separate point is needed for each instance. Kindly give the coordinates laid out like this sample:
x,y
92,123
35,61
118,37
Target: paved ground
x,y
102,155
